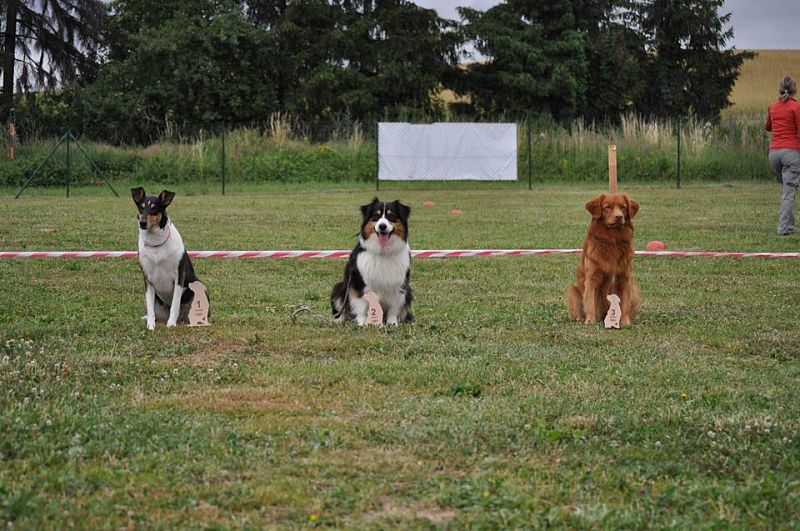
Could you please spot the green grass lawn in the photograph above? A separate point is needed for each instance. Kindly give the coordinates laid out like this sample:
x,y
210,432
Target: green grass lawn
x,y
491,411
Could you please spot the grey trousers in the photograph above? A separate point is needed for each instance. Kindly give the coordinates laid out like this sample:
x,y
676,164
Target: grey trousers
x,y
786,168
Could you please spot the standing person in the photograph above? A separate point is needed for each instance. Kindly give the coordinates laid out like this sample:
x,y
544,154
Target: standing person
x,y
783,120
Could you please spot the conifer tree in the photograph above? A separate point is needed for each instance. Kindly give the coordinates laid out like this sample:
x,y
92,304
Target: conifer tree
x,y
45,43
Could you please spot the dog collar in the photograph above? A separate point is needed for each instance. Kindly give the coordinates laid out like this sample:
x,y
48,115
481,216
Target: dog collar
x,y
169,233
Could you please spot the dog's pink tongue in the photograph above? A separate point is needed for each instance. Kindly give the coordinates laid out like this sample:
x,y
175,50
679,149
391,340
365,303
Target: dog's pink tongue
x,y
383,239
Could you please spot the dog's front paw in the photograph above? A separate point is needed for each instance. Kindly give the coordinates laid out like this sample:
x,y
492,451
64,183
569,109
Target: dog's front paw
x,y
151,325
171,324
392,321
361,320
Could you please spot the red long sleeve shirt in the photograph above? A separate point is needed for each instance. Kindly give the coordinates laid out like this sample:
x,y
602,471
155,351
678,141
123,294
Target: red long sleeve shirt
x,y
783,120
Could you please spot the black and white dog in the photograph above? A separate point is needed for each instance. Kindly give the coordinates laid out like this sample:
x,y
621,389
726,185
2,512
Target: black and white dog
x,y
381,263
165,265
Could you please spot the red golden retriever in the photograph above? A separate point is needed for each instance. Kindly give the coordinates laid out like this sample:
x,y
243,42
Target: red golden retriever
x,y
606,262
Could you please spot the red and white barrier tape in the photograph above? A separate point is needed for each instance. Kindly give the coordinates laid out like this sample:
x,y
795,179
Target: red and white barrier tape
x,y
441,253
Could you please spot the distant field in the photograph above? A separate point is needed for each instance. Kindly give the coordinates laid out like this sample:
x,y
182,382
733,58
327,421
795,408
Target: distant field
x,y
754,89
758,84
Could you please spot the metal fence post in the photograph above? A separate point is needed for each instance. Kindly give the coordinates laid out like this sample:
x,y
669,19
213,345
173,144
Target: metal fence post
x,y
377,157
36,171
530,148
69,162
12,135
223,160
91,161
678,173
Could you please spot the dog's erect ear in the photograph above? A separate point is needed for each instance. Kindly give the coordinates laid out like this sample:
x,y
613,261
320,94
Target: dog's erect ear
x,y
166,197
138,195
633,206
595,206
366,210
403,211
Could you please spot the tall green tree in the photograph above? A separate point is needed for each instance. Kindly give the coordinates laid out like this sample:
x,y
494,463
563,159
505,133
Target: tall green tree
x,y
535,59
689,68
46,43
396,56
364,58
305,39
616,55
194,64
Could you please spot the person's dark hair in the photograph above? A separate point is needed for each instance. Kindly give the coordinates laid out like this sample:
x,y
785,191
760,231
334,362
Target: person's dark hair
x,y
787,87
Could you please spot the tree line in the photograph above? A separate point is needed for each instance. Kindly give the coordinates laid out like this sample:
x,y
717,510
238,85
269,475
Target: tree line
x,y
128,70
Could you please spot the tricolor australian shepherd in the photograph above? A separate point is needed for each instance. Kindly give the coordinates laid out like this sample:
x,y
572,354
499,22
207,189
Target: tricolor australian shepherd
x,y
381,263
162,257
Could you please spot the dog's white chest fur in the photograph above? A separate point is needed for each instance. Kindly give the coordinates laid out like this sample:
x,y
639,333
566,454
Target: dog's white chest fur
x,y
384,273
160,262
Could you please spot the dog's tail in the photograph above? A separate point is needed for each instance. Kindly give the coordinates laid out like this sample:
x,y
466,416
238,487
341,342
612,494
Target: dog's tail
x,y
338,302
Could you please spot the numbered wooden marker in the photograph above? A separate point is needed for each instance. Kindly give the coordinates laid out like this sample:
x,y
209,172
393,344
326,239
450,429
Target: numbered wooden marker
x,y
198,313
374,312
614,312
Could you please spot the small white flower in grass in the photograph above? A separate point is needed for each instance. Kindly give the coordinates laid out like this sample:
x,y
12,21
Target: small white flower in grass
x,y
6,360
711,434
658,444
103,372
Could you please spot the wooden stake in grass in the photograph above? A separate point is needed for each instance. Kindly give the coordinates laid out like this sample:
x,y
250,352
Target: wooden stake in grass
x,y
614,313
612,168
